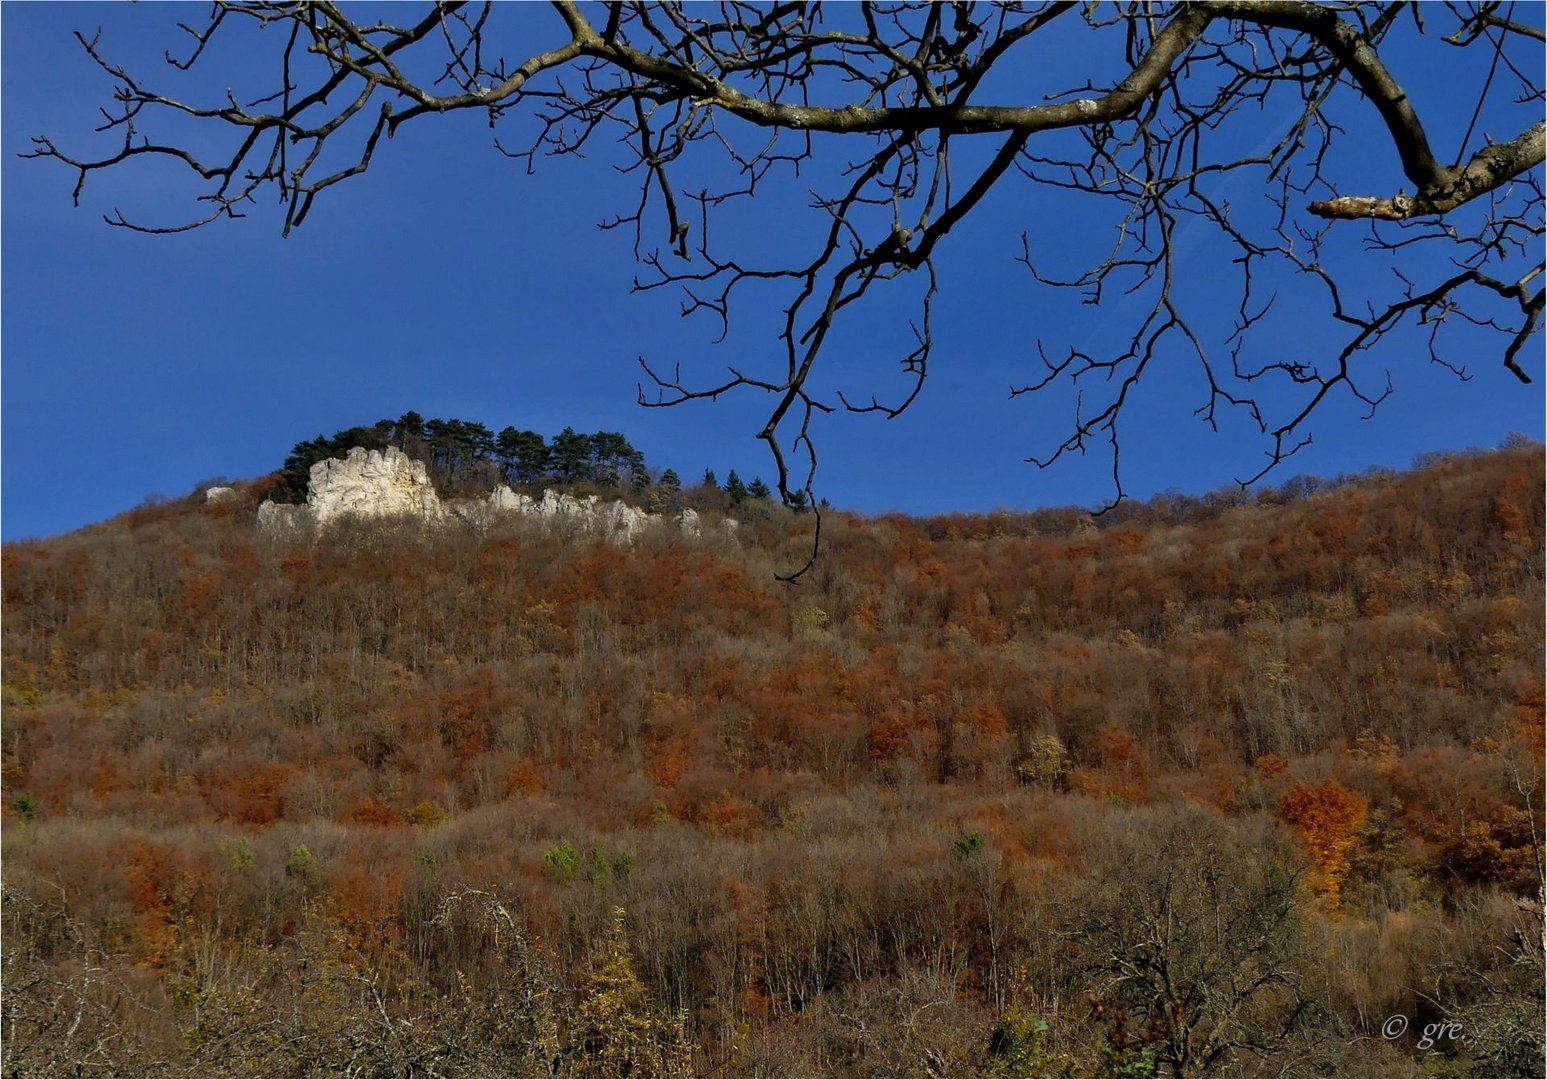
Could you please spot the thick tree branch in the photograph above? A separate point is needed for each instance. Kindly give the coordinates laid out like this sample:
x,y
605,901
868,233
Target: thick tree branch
x,y
1344,41
1490,168
1180,102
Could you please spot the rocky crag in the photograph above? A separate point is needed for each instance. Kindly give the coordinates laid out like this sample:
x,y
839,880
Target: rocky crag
x,y
390,484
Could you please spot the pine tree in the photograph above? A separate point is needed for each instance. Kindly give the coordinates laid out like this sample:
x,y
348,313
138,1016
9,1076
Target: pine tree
x,y
505,449
529,455
571,454
408,426
611,454
667,494
757,489
735,488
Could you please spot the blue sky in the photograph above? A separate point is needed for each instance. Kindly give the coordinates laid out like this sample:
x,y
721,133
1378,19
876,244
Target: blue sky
x,y
447,280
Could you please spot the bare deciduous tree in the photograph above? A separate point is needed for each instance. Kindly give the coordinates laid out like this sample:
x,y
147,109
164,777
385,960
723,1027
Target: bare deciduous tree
x,y
715,104
1193,945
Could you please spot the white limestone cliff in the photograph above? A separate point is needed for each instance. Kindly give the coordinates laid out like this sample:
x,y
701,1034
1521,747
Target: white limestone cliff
x,y
284,519
372,483
389,483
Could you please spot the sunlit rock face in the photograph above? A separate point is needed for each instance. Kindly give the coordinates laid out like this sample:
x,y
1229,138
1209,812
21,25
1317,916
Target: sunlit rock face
x,y
372,483
284,519
616,521
389,483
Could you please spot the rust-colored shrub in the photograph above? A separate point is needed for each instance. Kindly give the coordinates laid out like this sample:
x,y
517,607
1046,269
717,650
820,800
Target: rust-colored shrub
x,y
1328,817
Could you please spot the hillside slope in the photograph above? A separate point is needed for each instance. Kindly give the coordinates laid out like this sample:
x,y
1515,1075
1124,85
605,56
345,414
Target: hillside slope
x,y
506,802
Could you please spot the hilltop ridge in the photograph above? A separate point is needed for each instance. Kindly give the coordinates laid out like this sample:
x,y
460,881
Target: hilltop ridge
x,y
387,483
464,458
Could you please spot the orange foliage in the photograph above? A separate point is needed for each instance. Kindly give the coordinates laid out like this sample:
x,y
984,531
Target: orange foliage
x,y
1271,765
523,778
148,870
366,896
667,761
197,599
731,816
1120,773
1328,817
887,738
470,712
863,617
984,719
370,810
248,793
667,749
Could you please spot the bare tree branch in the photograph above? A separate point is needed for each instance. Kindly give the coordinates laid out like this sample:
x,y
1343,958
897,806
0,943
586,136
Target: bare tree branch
x,y
1201,96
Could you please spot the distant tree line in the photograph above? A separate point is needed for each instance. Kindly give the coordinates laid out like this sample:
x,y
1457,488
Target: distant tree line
x,y
464,453
740,491
461,455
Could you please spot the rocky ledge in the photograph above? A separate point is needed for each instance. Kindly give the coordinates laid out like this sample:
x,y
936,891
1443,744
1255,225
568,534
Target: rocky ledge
x,y
389,483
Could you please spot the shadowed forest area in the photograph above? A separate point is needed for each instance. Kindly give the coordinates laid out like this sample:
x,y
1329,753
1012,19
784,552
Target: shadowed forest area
x,y
1208,786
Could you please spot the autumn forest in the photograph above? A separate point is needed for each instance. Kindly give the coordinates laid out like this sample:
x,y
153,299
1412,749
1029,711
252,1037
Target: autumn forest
x,y
1239,785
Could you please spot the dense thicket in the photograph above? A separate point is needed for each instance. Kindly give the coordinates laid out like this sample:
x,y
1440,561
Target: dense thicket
x,y
1218,787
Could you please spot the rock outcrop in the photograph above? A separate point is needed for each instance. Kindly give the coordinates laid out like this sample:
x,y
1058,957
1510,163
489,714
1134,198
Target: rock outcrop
x,y
389,483
618,519
221,494
372,483
284,519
